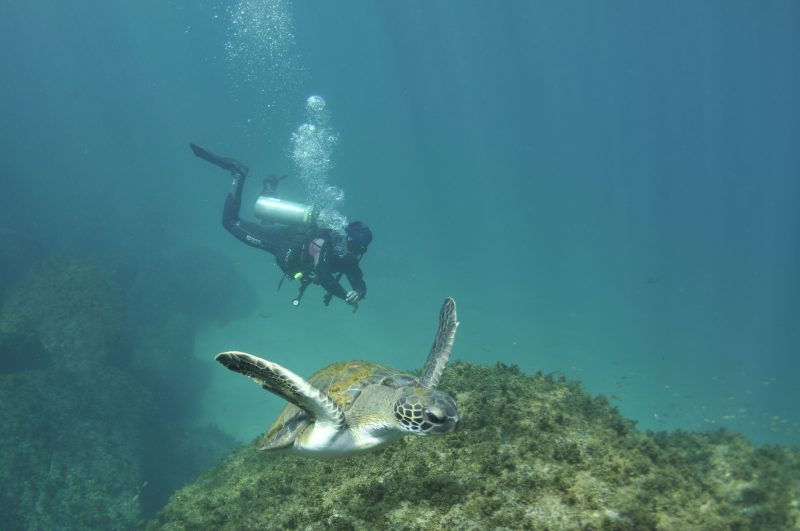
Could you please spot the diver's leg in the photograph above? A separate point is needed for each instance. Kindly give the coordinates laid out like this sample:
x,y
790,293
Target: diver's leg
x,y
233,203
268,238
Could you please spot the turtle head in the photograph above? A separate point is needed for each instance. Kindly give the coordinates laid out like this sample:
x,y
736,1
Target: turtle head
x,y
425,411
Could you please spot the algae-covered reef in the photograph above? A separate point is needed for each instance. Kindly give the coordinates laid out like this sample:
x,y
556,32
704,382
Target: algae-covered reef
x,y
72,423
86,441
533,452
68,311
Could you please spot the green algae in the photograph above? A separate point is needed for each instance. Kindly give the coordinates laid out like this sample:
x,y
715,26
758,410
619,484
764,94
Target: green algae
x,y
70,452
85,443
71,307
72,424
533,452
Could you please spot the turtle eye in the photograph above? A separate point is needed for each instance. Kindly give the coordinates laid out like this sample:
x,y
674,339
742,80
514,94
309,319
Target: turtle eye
x,y
435,415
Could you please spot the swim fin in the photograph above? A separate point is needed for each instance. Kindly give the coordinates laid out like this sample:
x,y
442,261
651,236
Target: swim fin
x,y
232,165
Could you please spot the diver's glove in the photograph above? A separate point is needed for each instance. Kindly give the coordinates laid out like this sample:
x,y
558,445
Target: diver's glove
x,y
352,299
270,185
352,296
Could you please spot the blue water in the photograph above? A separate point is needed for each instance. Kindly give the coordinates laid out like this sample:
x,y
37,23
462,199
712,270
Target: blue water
x,y
610,190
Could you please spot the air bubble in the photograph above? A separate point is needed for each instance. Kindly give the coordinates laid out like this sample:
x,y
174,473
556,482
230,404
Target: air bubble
x,y
312,146
315,104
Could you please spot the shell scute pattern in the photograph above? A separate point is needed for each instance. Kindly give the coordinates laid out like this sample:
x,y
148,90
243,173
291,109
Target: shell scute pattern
x,y
344,381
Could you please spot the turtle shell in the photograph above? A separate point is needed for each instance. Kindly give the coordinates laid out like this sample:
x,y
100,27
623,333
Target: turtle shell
x,y
343,382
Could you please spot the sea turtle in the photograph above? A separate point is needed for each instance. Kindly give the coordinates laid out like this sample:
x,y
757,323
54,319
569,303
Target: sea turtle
x,y
353,406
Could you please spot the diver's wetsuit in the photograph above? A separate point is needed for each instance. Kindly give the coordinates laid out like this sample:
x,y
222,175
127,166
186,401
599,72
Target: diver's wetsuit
x,y
290,246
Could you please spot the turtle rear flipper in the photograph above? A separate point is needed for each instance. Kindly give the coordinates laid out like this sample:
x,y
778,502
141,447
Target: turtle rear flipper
x,y
442,345
289,386
283,437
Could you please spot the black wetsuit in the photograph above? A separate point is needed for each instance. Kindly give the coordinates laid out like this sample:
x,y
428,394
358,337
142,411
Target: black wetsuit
x,y
290,246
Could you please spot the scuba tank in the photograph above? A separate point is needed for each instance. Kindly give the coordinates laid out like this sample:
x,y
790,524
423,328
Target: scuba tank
x,y
276,210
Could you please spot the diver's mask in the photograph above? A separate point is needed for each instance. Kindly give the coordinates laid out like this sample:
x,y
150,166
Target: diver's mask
x,y
359,237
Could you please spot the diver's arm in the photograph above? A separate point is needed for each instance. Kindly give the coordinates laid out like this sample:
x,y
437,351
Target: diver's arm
x,y
325,275
356,278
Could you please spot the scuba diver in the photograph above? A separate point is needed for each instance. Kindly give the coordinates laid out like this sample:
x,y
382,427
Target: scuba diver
x,y
288,231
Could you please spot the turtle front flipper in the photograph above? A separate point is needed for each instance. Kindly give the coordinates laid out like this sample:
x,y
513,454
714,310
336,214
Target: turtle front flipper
x,y
286,384
442,345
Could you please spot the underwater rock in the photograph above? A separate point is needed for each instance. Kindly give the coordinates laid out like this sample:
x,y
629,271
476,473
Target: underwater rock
x,y
167,302
71,451
67,311
18,254
534,452
161,349
178,453
210,288
200,283
20,348
86,442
